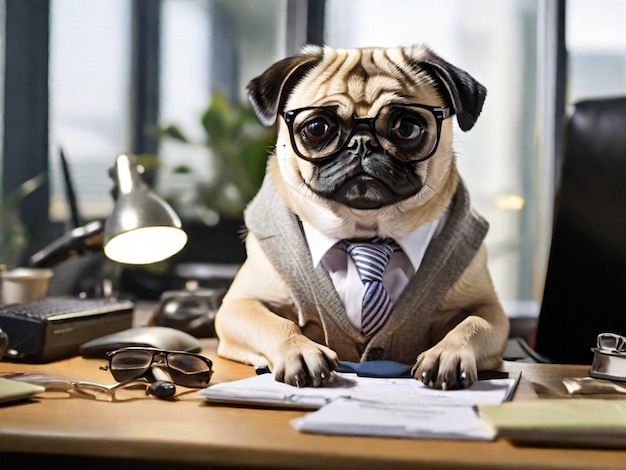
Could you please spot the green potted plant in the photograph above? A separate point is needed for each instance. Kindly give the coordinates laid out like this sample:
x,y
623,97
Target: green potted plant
x,y
237,145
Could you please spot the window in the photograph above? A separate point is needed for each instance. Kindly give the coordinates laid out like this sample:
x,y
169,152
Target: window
x,y
208,46
203,45
89,99
596,47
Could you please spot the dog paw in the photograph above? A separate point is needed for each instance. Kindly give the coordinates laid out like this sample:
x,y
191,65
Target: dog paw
x,y
446,369
304,363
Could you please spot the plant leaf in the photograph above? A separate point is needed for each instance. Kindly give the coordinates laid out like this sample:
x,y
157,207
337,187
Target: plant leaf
x,y
13,232
238,145
172,131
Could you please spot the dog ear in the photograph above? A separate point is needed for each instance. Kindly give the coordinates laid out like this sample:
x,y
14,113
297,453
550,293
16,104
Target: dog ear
x,y
465,94
269,91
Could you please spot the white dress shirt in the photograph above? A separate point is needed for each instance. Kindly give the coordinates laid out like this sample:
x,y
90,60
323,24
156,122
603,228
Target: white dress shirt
x,y
343,272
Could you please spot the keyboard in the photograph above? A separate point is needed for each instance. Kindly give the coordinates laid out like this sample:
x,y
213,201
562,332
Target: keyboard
x,y
53,328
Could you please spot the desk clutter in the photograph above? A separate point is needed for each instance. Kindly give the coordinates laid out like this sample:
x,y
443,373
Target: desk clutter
x,y
370,399
384,401
589,411
375,398
150,370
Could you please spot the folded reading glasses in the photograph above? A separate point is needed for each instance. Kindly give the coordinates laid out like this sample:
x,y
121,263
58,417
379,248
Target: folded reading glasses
x,y
184,368
122,391
408,132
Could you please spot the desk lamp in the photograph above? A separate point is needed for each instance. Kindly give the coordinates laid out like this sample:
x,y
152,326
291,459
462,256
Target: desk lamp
x,y
142,229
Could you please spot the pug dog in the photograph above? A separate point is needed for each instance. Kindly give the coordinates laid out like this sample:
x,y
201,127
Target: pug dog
x,y
364,157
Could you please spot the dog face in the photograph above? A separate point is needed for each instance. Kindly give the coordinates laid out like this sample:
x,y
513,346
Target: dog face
x,y
365,134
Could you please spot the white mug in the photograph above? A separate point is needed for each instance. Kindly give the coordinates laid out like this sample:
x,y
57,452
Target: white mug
x,y
23,285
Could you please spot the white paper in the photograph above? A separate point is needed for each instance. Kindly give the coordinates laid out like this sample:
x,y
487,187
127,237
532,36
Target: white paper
x,y
417,420
263,389
398,407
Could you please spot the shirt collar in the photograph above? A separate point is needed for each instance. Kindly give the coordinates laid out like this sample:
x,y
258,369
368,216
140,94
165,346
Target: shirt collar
x,y
413,244
318,242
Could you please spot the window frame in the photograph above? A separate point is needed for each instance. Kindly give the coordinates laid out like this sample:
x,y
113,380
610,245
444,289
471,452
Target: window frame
x,y
25,133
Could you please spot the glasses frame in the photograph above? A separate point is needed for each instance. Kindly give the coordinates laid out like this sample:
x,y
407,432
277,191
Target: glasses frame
x,y
79,388
156,352
440,113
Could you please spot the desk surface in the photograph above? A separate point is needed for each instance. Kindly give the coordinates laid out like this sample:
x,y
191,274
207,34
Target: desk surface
x,y
189,431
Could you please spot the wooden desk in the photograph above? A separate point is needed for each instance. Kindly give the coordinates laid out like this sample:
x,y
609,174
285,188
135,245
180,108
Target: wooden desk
x,y
190,432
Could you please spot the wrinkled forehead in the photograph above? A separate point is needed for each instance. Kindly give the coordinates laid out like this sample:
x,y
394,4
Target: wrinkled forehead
x,y
363,80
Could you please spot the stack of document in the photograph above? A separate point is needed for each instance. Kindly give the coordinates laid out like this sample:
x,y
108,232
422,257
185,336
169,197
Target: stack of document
x,y
571,422
395,407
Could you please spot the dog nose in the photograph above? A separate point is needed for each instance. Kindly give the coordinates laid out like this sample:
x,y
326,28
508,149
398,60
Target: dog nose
x,y
362,144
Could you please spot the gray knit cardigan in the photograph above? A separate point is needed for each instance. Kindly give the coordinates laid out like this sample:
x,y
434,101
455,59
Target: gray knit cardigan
x,y
318,309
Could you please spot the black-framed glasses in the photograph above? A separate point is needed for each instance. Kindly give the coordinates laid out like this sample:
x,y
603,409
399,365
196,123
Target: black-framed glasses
x,y
184,368
407,131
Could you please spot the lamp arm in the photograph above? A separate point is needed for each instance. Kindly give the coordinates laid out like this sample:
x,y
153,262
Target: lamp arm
x,y
80,240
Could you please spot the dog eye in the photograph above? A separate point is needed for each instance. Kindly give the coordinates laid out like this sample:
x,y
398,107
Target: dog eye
x,y
316,130
407,128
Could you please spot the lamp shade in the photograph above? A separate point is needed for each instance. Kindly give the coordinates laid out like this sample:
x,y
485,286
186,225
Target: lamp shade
x,y
143,228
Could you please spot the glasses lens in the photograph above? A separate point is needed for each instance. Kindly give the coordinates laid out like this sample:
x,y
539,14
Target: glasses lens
x,y
318,132
189,370
130,364
408,133
135,389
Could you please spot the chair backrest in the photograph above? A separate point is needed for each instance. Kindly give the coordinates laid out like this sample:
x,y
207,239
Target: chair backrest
x,y
585,288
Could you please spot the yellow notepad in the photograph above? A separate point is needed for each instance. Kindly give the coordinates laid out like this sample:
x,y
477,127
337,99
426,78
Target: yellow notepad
x,y
580,422
13,390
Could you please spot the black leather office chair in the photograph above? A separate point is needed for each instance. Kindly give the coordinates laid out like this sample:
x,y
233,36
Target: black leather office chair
x,y
585,288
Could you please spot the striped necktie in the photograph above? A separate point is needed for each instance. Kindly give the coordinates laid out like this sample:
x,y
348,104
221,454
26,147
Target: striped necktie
x,y
371,258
